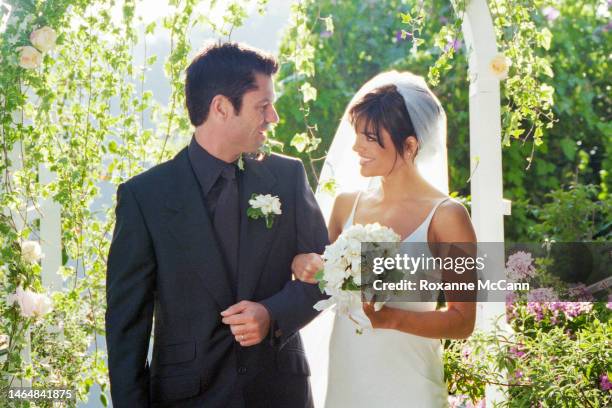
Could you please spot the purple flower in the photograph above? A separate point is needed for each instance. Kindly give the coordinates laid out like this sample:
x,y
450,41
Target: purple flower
x,y
325,34
570,309
520,266
604,383
539,300
510,311
466,352
517,352
542,295
609,305
580,293
443,20
456,44
403,35
551,13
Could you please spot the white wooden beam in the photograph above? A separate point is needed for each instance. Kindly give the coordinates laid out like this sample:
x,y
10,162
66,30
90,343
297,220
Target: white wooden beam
x,y
50,236
488,206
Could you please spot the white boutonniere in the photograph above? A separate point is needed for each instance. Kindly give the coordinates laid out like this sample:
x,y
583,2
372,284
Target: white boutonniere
x,y
266,206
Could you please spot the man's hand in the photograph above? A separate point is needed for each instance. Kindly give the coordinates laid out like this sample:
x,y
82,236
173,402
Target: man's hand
x,y
249,322
306,266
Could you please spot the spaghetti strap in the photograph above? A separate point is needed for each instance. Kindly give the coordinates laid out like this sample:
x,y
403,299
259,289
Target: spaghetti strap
x,y
433,211
349,220
420,233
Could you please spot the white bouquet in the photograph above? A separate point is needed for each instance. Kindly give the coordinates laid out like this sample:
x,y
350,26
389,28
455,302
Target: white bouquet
x,y
341,277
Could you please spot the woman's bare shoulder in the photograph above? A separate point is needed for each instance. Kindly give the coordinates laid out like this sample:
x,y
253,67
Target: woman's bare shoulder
x,y
452,223
343,205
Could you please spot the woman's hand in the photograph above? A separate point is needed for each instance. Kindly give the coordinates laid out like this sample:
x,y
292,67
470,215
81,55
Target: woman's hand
x,y
306,266
382,319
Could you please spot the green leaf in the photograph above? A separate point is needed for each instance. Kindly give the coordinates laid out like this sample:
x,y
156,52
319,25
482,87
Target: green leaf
x,y
309,92
545,38
329,186
300,142
254,213
322,284
112,147
150,28
406,18
103,400
568,146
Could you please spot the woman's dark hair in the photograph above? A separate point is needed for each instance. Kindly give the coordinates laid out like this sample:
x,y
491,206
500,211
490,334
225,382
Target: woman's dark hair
x,y
226,69
384,108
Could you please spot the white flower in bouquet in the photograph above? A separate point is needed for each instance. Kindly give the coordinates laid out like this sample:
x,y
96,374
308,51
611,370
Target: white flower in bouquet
x,y
31,304
31,252
341,275
44,38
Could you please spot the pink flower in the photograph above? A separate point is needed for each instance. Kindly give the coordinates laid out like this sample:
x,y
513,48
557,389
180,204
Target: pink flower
x,y
539,300
604,383
542,295
580,293
517,352
571,309
609,304
510,311
551,13
520,266
466,352
462,401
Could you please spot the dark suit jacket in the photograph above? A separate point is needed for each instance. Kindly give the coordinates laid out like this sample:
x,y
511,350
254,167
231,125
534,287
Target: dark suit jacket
x,y
165,266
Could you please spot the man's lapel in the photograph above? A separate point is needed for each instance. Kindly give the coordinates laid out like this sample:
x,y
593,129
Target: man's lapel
x,y
190,224
255,237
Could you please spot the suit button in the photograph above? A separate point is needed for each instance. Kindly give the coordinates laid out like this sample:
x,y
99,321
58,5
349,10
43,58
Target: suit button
x,y
242,370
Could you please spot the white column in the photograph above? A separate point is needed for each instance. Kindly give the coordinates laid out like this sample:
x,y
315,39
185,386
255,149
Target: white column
x,y
50,236
488,205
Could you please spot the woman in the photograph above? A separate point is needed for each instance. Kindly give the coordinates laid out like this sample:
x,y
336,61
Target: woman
x,y
399,129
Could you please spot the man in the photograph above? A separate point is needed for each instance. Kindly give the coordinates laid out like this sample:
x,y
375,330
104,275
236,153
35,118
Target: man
x,y
218,282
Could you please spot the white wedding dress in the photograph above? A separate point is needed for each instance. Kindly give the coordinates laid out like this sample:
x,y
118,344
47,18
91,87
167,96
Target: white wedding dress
x,y
386,368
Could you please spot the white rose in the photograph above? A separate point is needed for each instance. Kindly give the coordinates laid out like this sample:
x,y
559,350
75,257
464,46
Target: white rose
x,y
31,304
29,57
31,251
499,65
43,38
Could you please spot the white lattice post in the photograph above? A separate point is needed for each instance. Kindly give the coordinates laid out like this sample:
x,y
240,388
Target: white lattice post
x,y
50,236
488,205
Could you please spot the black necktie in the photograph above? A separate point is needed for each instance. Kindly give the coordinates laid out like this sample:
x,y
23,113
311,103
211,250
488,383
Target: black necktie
x,y
227,220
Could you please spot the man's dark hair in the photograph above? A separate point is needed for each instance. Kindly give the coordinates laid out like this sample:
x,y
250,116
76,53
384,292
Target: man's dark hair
x,y
226,69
